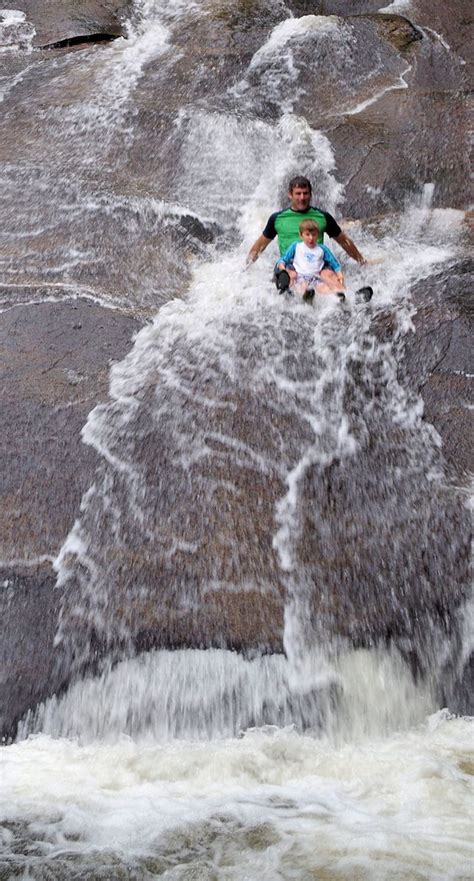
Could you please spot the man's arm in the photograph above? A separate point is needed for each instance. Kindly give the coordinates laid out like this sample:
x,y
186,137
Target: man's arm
x,y
349,247
257,248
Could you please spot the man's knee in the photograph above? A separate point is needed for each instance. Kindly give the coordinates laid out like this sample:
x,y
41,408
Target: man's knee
x,y
327,274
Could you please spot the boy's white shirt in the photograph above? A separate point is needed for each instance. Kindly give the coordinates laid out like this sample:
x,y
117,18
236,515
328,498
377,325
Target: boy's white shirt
x,y
308,261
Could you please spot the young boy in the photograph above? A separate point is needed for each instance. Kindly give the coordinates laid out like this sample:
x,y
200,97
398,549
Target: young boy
x,y
311,268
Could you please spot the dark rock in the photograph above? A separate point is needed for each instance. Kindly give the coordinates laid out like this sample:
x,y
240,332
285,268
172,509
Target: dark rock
x,y
437,360
52,376
448,23
54,370
381,154
397,30
80,40
334,7
72,21
29,607
458,694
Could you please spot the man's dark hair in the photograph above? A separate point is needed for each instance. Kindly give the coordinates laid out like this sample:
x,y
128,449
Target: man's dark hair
x,y
299,181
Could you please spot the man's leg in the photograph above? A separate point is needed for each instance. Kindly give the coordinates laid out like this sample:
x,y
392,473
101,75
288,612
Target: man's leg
x,y
331,285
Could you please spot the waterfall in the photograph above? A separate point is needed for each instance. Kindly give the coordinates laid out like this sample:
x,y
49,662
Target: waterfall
x,y
255,601
230,395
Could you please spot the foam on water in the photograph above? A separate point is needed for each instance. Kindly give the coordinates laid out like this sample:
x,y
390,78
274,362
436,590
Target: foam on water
x,y
272,805
15,31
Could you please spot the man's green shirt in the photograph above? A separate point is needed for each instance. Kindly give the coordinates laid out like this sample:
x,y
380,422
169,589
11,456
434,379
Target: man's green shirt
x,y
285,224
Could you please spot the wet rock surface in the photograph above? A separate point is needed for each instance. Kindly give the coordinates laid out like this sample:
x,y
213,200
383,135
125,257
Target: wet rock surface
x,y
109,225
56,359
29,606
380,151
55,367
71,22
438,359
199,574
334,7
368,76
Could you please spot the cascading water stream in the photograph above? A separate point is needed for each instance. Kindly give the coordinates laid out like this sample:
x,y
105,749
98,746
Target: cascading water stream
x,y
226,389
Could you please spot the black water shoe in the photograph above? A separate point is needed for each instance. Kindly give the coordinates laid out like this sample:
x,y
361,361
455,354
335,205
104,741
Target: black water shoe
x,y
308,295
340,296
282,281
365,293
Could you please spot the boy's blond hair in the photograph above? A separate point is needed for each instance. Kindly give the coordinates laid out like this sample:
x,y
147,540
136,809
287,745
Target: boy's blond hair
x,y
308,225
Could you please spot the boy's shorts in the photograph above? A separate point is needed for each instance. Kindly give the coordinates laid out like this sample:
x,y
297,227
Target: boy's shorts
x,y
310,280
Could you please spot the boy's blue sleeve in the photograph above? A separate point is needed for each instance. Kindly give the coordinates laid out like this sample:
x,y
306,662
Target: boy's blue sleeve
x,y
330,259
289,254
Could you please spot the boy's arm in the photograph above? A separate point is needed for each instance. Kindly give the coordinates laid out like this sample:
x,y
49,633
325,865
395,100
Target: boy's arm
x,y
330,260
288,256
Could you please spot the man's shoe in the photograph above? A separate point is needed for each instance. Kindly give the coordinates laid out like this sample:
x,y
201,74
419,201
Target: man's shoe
x,y
340,296
282,281
308,295
365,293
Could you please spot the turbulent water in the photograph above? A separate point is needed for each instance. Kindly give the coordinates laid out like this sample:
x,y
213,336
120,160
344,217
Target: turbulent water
x,y
273,805
320,760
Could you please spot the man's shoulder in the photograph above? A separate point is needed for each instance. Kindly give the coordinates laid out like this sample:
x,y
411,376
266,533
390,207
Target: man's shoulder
x,y
283,212
311,211
317,210
270,230
331,226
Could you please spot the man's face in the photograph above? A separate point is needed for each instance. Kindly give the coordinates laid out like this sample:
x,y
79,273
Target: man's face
x,y
300,198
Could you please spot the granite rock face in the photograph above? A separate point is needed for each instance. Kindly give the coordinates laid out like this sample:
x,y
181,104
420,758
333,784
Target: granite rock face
x,y
55,359
55,363
381,153
438,360
97,214
71,23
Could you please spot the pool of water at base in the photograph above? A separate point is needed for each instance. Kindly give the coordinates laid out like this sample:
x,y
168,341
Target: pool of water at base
x,y
270,805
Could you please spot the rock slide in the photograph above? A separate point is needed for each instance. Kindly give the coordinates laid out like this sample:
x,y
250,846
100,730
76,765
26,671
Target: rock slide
x,y
58,347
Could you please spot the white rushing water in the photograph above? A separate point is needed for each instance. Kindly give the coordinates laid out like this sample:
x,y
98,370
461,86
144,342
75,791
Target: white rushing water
x,y
15,31
273,805
322,763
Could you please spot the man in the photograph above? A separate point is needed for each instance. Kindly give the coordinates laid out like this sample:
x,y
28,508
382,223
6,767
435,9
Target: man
x,y
285,224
